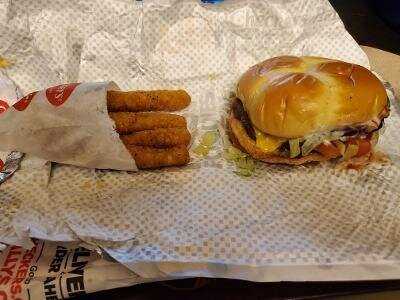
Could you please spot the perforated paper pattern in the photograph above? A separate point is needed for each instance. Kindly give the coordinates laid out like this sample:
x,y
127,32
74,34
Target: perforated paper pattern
x,y
283,216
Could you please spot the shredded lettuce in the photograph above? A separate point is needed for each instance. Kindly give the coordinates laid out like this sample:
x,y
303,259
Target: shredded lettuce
x,y
201,150
350,152
374,138
206,143
294,147
244,172
233,154
313,140
209,138
244,164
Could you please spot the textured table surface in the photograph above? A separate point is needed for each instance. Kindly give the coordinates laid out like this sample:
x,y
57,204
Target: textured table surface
x,y
387,64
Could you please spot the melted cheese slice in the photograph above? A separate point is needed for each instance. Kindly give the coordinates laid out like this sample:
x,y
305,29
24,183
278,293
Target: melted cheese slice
x,y
268,143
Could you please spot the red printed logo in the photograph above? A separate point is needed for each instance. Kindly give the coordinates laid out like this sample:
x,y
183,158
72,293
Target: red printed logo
x,y
1,165
24,102
57,95
3,106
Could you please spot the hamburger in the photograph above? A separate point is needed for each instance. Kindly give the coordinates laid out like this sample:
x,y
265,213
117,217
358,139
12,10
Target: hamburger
x,y
295,110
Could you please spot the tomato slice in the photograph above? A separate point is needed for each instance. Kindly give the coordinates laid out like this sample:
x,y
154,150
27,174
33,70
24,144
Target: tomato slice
x,y
328,150
331,151
364,146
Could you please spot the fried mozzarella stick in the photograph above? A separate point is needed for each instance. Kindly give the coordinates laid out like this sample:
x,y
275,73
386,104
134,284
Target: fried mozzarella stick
x,y
157,100
160,138
128,122
151,158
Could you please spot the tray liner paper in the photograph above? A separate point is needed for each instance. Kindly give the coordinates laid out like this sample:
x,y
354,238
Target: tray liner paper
x,y
284,223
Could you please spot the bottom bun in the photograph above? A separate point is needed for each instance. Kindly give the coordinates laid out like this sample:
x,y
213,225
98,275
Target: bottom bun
x,y
241,140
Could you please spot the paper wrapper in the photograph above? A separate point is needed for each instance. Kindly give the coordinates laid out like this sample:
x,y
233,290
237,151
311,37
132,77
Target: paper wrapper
x,y
59,271
284,223
68,124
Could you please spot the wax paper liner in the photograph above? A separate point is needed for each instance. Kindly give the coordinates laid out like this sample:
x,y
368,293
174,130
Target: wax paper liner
x,y
284,223
12,161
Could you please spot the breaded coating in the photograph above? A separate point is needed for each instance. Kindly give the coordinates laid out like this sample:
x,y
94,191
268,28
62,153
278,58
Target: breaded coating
x,y
158,100
151,158
160,138
128,122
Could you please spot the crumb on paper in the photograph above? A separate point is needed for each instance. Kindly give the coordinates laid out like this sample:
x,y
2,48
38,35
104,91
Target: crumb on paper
x,y
4,63
212,76
101,184
87,185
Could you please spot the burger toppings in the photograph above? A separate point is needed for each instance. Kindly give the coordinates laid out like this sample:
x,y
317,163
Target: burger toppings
x,y
314,140
350,142
294,145
347,147
330,150
268,143
351,151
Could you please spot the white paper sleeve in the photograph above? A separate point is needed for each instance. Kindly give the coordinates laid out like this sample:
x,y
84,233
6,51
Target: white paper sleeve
x,y
68,124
